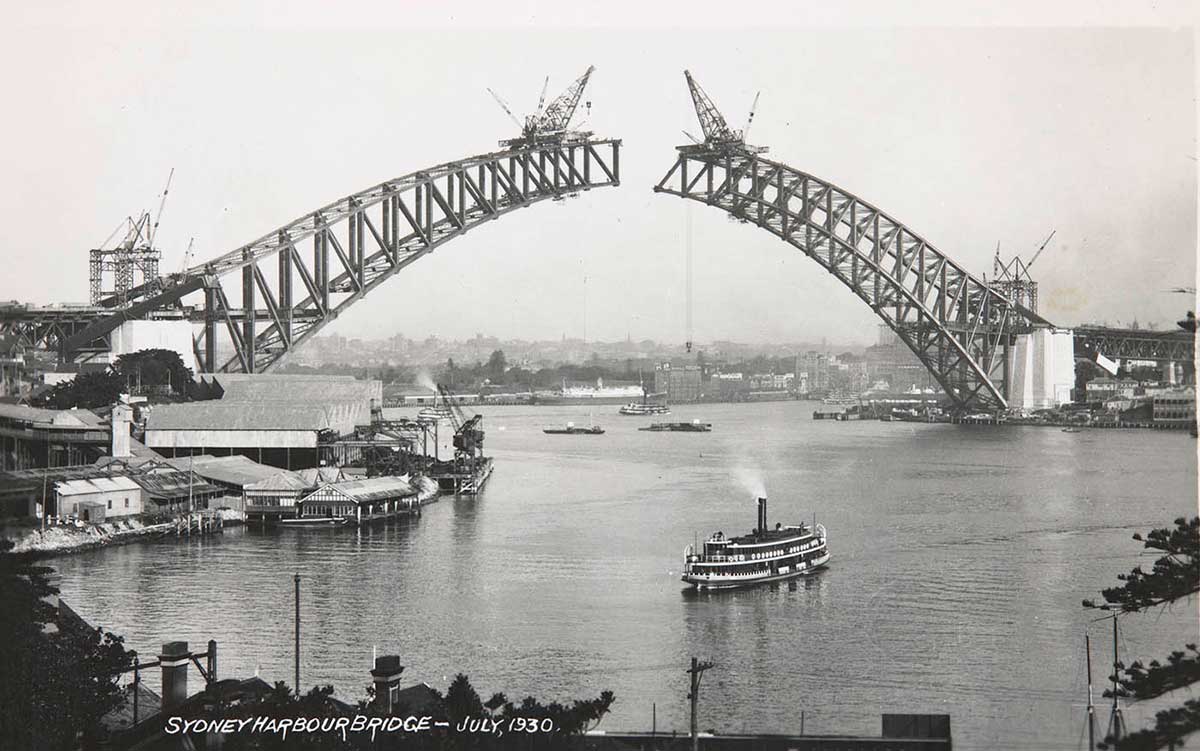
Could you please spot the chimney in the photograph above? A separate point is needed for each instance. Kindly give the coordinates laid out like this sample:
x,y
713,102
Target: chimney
x,y
122,416
386,677
174,661
762,514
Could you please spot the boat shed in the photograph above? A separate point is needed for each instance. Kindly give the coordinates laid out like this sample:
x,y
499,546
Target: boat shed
x,y
170,489
361,500
98,498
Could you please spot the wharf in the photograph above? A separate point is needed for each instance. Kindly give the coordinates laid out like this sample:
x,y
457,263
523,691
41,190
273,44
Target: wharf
x,y
456,479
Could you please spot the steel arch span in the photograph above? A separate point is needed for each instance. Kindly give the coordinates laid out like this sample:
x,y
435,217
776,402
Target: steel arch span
x,y
957,325
291,282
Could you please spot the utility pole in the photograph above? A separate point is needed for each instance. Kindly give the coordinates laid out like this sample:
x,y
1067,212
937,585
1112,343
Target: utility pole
x,y
1116,723
696,671
1091,709
297,634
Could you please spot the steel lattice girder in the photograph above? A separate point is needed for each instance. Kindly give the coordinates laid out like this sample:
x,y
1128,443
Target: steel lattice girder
x,y
958,326
383,230
1135,344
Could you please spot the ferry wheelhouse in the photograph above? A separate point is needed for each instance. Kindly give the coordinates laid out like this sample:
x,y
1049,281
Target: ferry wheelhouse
x,y
764,555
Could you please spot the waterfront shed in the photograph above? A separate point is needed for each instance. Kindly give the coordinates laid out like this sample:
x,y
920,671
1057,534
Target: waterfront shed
x,y
119,496
370,498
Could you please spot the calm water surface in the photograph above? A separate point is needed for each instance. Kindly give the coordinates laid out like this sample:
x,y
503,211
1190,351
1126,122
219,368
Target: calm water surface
x,y
960,556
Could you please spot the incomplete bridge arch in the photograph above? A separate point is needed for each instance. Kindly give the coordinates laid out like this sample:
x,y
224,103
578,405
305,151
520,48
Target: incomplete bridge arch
x,y
301,276
957,325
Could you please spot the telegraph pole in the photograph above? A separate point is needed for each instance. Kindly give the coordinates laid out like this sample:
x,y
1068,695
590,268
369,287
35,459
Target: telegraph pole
x,y
297,634
1091,709
696,672
1116,723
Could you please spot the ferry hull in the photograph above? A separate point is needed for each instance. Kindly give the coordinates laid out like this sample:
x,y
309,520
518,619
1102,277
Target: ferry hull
x,y
700,584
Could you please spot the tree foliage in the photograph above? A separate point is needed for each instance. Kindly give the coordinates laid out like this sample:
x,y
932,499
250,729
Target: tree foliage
x,y
1174,576
86,391
58,681
154,368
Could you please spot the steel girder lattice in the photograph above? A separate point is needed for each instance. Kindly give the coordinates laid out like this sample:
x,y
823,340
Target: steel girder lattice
x,y
1133,344
958,326
354,245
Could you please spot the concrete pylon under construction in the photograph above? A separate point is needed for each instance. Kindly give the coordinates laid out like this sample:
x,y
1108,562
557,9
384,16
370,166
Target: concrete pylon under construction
x,y
1041,369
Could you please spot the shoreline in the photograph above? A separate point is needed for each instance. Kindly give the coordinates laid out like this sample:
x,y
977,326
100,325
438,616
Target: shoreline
x,y
63,540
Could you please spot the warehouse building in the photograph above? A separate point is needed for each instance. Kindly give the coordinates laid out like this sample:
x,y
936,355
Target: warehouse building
x,y
277,420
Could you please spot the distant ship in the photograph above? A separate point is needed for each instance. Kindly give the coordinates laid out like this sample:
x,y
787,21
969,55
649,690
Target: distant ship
x,y
433,414
695,426
571,429
839,399
644,408
764,555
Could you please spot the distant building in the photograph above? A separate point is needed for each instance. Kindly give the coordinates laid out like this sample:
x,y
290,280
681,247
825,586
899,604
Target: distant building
x,y
1104,389
680,383
816,366
1175,408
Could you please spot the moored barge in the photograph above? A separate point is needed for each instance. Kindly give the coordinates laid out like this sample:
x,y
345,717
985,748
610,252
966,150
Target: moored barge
x,y
764,555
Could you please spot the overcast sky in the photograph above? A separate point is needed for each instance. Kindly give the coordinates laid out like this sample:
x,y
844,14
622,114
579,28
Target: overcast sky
x,y
998,129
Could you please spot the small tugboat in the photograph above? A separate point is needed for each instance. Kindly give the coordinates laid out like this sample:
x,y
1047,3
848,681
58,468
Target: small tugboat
x,y
764,555
695,426
433,414
572,430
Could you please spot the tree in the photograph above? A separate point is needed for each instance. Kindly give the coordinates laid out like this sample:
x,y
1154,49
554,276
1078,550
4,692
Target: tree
x,y
86,391
59,678
496,365
148,368
1175,576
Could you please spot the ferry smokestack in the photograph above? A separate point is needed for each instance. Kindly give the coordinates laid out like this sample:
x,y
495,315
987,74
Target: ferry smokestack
x,y
762,514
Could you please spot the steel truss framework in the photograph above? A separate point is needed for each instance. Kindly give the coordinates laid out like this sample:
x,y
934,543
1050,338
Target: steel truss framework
x,y
1126,344
958,326
293,281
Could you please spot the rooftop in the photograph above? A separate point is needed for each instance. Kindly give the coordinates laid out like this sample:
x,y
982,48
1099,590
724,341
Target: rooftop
x,y
222,415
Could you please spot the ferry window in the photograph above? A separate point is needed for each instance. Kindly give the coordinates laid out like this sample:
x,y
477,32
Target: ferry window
x,y
110,504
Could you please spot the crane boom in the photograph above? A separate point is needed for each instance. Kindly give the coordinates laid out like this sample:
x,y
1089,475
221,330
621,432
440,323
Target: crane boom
x,y
712,122
557,115
161,204
1040,249
504,107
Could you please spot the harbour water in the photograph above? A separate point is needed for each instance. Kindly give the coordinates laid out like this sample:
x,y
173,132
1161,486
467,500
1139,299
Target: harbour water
x,y
960,557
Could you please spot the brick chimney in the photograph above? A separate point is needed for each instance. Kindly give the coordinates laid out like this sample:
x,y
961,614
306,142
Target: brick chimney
x,y
386,676
122,416
174,658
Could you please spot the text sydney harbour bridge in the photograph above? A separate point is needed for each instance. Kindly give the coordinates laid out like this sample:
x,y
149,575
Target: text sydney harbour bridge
x,y
981,341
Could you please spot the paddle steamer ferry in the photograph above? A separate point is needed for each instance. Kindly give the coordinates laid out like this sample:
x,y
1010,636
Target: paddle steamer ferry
x,y
764,555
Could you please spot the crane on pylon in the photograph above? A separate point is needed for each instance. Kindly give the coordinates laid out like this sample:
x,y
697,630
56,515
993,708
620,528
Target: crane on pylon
x,y
553,122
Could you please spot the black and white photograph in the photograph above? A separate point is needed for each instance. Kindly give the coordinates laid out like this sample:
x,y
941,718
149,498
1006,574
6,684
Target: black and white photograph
x,y
606,376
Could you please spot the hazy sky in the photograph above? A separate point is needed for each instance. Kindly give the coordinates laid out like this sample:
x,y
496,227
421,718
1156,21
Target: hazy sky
x,y
972,128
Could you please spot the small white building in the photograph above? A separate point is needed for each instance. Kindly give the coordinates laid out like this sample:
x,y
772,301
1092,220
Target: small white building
x,y
97,499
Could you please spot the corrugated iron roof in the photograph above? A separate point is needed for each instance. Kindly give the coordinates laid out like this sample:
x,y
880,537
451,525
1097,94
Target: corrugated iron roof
x,y
281,480
172,484
95,485
220,415
61,418
233,470
370,489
